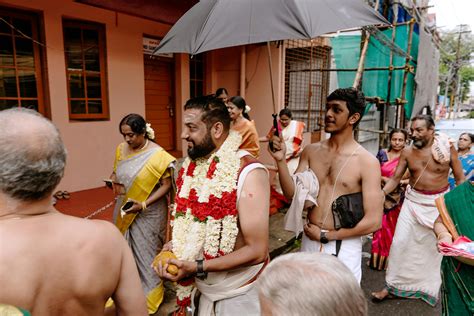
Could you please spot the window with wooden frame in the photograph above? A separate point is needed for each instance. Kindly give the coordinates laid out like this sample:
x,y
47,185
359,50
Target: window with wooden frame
x,y
197,75
21,82
84,50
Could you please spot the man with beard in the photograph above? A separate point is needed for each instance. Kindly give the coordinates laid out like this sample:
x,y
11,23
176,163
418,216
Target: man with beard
x,y
340,169
220,225
414,267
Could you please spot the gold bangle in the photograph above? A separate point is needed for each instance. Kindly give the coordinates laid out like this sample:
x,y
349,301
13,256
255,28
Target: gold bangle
x,y
445,233
143,206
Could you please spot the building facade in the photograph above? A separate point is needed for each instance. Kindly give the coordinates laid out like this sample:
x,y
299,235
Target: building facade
x,y
85,67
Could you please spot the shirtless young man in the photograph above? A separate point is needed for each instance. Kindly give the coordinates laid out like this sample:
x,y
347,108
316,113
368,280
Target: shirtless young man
x,y
414,267
50,263
221,241
341,166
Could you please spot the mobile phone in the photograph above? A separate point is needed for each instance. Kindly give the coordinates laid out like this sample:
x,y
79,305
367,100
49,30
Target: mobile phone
x,y
275,132
109,183
127,206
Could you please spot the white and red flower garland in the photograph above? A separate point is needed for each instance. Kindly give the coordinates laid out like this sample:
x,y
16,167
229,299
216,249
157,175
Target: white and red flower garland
x,y
205,210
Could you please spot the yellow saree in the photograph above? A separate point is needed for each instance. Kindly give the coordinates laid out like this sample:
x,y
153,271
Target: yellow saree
x,y
140,174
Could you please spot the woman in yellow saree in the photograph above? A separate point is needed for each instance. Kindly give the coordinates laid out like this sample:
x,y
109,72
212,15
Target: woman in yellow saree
x,y
142,175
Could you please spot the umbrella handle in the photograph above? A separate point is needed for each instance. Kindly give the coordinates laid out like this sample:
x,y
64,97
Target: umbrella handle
x,y
271,75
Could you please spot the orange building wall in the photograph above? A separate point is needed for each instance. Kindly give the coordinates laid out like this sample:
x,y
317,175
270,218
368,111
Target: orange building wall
x,y
226,73
225,70
91,144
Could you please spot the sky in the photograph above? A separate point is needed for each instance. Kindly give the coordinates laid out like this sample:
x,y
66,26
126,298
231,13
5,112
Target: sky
x,y
450,13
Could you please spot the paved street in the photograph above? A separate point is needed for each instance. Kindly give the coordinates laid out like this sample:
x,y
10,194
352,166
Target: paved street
x,y
374,280
282,241
371,280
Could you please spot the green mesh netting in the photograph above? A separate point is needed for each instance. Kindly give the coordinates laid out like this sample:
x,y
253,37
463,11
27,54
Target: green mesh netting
x,y
346,50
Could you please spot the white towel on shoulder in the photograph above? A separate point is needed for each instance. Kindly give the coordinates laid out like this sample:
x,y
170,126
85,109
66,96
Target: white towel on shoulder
x,y
441,148
305,196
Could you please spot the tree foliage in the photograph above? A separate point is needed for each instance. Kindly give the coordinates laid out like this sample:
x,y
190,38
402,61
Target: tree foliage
x,y
451,67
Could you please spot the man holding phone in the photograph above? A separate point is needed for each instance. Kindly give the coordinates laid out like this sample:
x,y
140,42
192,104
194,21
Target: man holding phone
x,y
338,167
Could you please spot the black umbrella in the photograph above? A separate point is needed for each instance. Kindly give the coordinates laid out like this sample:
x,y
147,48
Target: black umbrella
x,y
213,24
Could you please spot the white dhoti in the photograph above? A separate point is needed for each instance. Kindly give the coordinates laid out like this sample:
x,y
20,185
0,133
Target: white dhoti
x,y
350,253
227,293
414,267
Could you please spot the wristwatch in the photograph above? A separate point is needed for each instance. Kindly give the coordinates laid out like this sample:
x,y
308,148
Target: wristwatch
x,y
200,273
323,238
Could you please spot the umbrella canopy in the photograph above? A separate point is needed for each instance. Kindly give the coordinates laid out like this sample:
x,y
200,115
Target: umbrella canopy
x,y
213,24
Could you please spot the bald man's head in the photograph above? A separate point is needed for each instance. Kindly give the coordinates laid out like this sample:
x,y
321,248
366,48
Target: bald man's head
x,y
32,155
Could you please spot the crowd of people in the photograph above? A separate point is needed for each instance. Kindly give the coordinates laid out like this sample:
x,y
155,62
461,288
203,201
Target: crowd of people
x,y
219,223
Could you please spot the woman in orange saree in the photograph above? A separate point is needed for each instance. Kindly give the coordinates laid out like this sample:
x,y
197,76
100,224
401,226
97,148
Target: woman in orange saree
x,y
238,110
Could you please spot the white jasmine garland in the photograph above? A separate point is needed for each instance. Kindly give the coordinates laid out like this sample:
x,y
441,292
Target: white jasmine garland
x,y
213,233
181,224
150,133
229,234
211,237
195,239
223,180
183,291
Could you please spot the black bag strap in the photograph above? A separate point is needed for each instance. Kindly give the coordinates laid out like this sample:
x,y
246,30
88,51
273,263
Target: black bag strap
x,y
338,247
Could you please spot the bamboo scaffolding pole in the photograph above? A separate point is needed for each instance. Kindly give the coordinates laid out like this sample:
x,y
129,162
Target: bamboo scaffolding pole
x,y
360,68
310,88
410,69
371,130
363,53
389,90
405,74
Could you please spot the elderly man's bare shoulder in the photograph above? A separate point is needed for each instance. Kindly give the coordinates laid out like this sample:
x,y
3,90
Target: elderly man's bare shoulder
x,y
69,253
96,229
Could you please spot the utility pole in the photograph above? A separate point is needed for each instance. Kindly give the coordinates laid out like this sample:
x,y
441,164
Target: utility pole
x,y
446,90
456,68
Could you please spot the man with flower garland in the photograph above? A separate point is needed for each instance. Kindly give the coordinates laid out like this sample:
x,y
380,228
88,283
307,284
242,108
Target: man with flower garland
x,y
328,170
220,225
